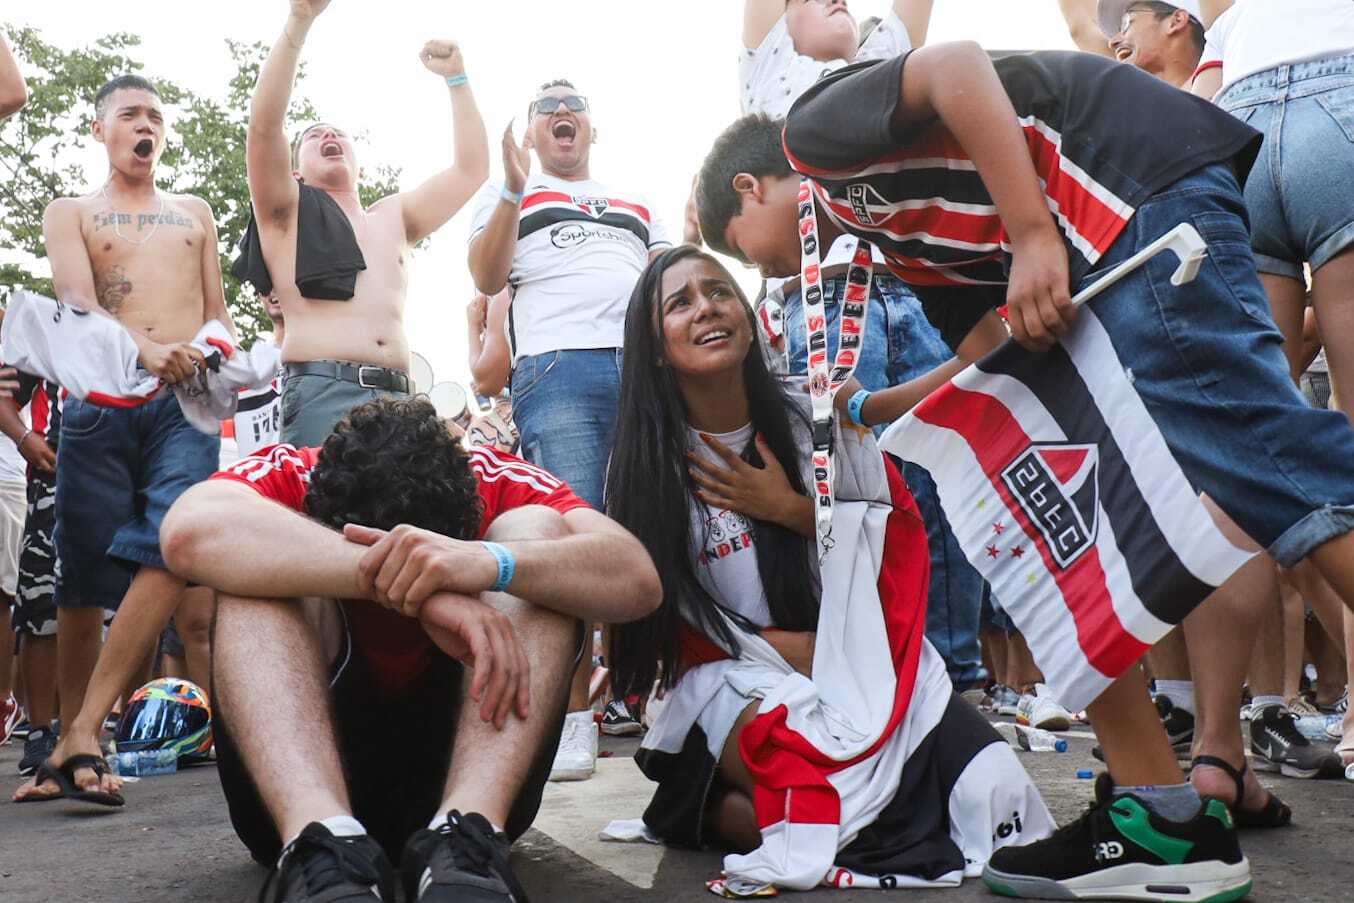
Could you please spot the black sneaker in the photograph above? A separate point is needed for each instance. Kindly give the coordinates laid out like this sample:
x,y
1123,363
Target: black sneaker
x,y
463,861
1120,850
619,721
1278,745
318,867
1178,724
37,747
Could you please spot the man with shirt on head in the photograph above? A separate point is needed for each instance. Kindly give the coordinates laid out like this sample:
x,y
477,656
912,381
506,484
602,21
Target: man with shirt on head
x,y
572,249
398,642
339,270
149,260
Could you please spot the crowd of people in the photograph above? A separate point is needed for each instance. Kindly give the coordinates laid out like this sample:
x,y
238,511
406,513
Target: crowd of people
x,y
672,515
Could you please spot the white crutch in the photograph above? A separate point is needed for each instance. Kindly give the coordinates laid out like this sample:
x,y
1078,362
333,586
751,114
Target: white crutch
x,y
1184,241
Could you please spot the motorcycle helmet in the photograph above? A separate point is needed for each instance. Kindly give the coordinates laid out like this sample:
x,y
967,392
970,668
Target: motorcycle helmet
x,y
169,713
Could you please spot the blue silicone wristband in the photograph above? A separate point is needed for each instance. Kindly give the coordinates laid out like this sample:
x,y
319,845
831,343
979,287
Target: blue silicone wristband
x,y
455,81
512,197
856,405
507,565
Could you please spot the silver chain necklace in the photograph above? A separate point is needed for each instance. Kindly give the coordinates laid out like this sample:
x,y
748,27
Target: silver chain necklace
x,y
117,227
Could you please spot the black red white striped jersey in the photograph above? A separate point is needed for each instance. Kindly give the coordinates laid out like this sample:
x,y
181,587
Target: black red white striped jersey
x,y
1103,137
580,249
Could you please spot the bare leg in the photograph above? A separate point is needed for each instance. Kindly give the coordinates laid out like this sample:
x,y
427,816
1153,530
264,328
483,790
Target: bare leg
x,y
1332,287
6,647
259,645
194,622
1169,658
1346,746
1267,656
1128,726
489,766
1021,670
37,663
732,814
1287,302
1329,659
1293,614
579,684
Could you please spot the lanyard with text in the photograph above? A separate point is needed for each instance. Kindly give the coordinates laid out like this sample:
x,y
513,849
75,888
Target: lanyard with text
x,y
826,377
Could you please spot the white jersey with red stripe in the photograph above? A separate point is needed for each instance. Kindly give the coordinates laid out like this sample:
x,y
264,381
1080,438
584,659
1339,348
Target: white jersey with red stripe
x,y
580,249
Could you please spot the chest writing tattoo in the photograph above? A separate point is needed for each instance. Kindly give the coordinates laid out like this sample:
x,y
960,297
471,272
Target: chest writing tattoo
x,y
113,287
111,219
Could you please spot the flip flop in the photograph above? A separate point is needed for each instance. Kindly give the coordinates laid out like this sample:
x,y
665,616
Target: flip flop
x,y
63,776
1274,814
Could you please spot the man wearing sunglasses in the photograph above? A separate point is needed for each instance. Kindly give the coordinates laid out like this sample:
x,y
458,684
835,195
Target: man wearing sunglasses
x,y
1162,39
572,249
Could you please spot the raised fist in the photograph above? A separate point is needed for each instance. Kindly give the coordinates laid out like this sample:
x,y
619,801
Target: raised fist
x,y
443,57
305,10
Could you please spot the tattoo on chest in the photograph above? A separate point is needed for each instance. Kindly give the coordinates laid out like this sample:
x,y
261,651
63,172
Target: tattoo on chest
x,y
111,219
112,287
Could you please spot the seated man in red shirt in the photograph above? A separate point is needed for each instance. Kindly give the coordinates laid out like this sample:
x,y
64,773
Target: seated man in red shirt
x,y
338,718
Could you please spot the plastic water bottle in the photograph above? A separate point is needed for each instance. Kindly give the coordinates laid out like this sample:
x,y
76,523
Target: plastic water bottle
x,y
145,762
1349,772
1031,739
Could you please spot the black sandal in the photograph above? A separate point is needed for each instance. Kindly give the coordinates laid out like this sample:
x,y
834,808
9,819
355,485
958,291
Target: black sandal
x,y
1275,813
63,776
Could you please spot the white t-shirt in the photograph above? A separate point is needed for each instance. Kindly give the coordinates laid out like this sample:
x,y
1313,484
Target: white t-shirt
x,y
722,541
774,75
580,250
258,418
1255,35
13,467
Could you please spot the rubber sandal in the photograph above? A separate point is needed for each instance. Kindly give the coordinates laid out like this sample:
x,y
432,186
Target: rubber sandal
x,y
1274,814
63,776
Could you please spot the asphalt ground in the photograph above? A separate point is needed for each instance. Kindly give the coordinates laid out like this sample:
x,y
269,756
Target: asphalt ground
x,y
173,842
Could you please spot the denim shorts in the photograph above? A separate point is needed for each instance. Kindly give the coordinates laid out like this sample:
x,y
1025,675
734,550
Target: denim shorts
x,y
118,471
1300,193
565,404
1208,363
312,405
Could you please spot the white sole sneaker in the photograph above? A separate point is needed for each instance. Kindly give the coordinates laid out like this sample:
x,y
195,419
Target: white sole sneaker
x,y
1200,882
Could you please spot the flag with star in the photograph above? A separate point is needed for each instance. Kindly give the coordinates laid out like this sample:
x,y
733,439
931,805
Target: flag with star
x,y
1065,496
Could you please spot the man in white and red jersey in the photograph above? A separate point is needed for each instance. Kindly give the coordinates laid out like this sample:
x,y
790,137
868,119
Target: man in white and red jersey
x,y
352,580
572,249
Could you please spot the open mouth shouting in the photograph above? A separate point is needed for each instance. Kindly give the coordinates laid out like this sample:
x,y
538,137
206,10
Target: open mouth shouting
x,y
144,148
564,131
1123,52
330,149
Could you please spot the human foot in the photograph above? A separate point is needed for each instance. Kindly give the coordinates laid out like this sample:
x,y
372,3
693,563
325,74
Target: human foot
x,y
86,777
1239,790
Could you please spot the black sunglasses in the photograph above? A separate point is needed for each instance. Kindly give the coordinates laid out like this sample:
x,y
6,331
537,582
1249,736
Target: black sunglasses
x,y
544,106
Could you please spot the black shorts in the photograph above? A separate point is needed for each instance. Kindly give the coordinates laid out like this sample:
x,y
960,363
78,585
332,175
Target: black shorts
x,y
395,755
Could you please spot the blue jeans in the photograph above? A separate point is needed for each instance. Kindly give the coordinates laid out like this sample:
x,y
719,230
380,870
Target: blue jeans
x,y
118,471
901,344
1207,361
565,403
1301,192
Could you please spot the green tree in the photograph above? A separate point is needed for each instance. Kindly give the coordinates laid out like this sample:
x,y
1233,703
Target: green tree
x,y
204,155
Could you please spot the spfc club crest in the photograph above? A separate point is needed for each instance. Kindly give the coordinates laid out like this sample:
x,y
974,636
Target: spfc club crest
x,y
595,206
1057,486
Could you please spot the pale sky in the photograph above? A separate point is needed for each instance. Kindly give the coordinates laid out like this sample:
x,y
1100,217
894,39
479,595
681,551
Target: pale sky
x,y
661,78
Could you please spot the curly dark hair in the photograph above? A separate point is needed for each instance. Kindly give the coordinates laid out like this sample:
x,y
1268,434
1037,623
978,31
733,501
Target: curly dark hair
x,y
392,462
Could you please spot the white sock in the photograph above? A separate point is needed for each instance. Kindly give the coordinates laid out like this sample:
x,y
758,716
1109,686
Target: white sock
x,y
440,819
1262,702
338,825
1179,692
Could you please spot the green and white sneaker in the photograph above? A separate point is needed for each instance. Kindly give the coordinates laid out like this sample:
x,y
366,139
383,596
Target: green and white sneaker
x,y
1120,850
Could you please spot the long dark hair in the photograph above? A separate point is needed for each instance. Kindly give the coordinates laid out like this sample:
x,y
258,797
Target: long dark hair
x,y
649,492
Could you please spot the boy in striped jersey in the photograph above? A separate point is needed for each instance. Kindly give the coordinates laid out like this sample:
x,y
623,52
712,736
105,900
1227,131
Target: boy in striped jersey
x,y
1016,184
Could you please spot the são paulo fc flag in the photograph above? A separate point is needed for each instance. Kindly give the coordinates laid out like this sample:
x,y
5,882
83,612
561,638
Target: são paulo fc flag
x,y
1063,494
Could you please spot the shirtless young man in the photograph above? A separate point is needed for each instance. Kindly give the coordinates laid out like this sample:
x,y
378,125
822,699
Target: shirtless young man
x,y
341,280
148,259
13,91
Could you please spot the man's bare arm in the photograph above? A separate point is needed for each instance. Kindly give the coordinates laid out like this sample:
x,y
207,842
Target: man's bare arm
x,y
491,358
13,91
492,250
1208,83
759,17
1084,26
597,571
916,16
272,189
282,554
428,207
213,291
